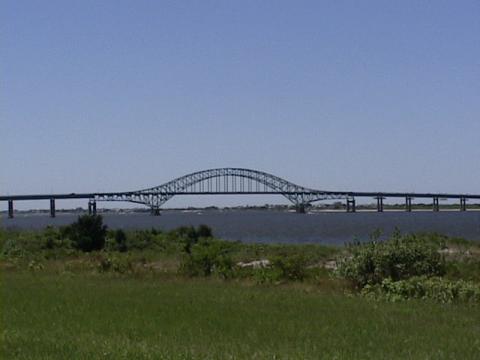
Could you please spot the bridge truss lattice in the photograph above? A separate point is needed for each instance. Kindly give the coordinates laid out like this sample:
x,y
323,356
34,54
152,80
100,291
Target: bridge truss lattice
x,y
223,181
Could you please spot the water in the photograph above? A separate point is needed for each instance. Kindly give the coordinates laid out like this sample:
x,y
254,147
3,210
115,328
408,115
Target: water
x,y
277,226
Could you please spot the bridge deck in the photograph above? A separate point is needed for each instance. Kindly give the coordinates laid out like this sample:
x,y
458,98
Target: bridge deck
x,y
237,181
340,193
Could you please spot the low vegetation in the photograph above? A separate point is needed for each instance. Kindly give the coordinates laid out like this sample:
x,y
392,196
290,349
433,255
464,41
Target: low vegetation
x,y
191,252
410,267
105,316
424,287
84,291
406,266
400,258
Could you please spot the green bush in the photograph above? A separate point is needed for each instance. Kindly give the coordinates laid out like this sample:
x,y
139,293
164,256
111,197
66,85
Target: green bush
x,y
120,240
12,249
189,236
421,287
87,233
204,231
22,244
141,240
292,267
466,269
399,258
51,238
34,265
117,264
267,275
208,257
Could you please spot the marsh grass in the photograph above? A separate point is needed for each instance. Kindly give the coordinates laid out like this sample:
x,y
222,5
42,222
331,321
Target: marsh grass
x,y
85,316
61,303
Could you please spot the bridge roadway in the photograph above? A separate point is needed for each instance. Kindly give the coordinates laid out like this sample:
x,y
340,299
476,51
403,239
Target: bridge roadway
x,y
237,181
349,196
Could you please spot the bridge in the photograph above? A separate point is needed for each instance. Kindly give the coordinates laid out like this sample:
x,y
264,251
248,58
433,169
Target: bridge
x,y
236,181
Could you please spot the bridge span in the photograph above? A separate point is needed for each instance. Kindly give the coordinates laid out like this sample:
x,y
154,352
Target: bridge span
x,y
237,181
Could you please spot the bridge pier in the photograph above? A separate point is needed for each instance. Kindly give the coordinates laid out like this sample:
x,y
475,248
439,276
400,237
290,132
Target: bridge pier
x,y
92,207
379,203
436,204
155,211
300,208
52,208
463,204
351,205
10,209
408,204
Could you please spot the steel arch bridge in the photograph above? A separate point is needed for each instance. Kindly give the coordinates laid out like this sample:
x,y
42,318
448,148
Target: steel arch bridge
x,y
238,181
223,181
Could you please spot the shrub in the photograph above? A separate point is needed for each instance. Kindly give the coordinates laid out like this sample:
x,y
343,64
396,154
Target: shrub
x,y
421,287
34,265
120,240
87,233
155,231
399,258
118,264
141,239
12,248
204,231
207,257
267,275
466,269
293,267
190,236
51,238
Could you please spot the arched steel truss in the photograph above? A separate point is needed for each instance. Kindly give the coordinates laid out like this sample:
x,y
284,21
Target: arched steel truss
x,y
223,181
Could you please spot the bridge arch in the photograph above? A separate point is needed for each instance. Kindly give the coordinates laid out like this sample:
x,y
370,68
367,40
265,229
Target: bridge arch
x,y
226,181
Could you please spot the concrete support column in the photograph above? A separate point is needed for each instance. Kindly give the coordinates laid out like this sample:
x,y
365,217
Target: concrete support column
x,y
92,207
10,209
436,204
408,204
155,211
52,208
300,208
463,204
379,203
351,205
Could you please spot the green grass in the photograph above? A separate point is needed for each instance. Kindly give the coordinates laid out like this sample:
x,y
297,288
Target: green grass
x,y
60,303
87,316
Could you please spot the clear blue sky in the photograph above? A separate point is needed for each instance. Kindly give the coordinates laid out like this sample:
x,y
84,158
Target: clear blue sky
x,y
354,95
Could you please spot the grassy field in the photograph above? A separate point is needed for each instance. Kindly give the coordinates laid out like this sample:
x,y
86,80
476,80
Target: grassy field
x,y
98,316
82,292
